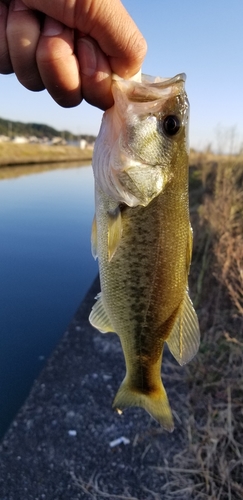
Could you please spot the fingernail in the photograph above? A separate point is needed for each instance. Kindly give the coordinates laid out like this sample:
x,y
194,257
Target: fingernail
x,y
19,5
52,27
86,56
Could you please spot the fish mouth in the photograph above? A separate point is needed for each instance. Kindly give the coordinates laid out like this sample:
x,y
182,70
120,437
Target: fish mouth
x,y
160,82
151,88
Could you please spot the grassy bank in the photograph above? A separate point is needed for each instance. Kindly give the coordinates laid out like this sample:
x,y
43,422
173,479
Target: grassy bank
x,y
23,154
213,455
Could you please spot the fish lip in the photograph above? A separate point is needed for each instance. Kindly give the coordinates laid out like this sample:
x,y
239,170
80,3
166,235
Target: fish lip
x,y
149,89
160,82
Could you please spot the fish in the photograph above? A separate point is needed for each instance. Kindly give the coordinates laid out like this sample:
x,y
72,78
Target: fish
x,y
142,236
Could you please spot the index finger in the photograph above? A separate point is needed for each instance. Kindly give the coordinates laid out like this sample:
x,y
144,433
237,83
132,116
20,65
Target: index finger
x,y
112,28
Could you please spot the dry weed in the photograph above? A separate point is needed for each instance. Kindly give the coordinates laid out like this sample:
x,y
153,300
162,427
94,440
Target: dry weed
x,y
213,461
94,491
224,215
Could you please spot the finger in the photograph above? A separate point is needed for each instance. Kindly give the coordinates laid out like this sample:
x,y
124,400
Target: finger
x,y
95,73
112,28
23,31
5,62
58,64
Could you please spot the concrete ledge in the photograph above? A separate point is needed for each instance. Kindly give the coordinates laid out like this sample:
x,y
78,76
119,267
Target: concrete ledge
x,y
59,446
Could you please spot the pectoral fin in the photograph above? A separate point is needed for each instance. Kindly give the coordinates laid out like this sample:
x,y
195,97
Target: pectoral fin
x,y
94,238
114,231
184,339
99,317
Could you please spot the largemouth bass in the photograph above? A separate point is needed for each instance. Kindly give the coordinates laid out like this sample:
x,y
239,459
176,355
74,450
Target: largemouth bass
x,y
142,236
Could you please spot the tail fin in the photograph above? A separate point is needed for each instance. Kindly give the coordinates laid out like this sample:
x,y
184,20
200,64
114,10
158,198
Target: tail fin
x,y
156,404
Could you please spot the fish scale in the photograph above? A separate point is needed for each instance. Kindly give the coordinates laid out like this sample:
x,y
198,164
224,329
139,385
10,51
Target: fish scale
x,y
142,238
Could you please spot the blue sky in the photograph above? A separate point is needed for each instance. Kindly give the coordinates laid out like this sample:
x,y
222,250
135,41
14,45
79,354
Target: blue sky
x,y
204,39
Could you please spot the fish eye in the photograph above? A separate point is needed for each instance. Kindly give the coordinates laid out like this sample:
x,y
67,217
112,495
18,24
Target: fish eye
x,y
171,124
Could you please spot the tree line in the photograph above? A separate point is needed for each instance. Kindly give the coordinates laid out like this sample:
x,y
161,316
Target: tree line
x,y
12,128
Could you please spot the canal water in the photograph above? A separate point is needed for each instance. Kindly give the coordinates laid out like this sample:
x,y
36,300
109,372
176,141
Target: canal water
x,y
46,267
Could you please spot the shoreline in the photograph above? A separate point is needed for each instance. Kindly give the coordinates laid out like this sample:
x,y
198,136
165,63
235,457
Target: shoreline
x,y
12,155
15,171
30,162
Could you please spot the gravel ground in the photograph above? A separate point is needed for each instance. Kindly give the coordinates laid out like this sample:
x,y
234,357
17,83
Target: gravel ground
x,y
61,444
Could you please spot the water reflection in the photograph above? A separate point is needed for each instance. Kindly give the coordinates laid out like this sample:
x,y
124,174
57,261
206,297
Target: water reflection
x,y
46,268
12,171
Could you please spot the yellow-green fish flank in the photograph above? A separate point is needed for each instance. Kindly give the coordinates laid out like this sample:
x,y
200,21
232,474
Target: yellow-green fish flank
x,y
142,236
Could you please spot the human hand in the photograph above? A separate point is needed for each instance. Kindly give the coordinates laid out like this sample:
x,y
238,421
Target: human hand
x,y
69,47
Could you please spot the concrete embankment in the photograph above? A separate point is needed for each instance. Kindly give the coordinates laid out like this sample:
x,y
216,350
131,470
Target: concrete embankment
x,y
66,442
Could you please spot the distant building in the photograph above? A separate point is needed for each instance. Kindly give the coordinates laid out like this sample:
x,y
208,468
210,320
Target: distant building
x,y
58,141
18,139
83,144
33,139
4,138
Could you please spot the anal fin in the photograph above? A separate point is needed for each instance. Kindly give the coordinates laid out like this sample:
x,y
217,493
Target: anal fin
x,y
184,339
